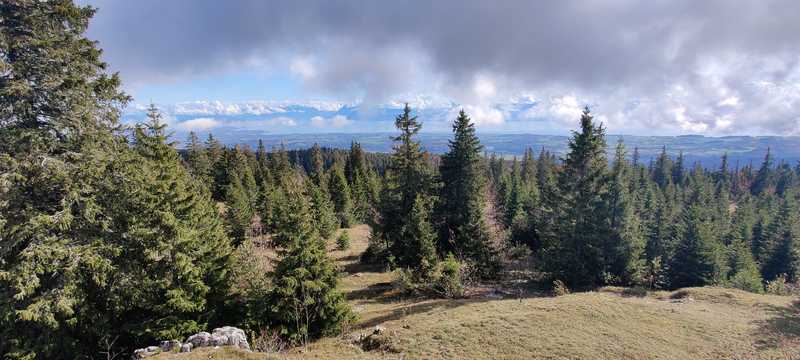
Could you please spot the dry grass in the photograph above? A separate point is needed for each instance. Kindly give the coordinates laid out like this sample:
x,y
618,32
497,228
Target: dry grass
x,y
612,323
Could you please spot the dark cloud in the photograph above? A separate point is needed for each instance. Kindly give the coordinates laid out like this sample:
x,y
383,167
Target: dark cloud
x,y
672,54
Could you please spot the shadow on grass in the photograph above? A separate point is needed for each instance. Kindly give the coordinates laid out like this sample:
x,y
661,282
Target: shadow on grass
x,y
783,327
378,292
417,308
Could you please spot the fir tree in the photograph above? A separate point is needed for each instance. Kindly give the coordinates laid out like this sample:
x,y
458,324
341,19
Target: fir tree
x,y
305,302
696,258
624,250
408,178
241,195
340,194
574,253
763,181
197,159
781,249
463,230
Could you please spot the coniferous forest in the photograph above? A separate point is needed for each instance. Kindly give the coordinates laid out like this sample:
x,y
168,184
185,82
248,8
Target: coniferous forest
x,y
114,236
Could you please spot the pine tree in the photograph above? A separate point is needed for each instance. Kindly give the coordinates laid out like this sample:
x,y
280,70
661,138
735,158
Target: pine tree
x,y
408,178
219,165
357,176
340,195
322,210
744,273
763,181
59,111
197,159
781,247
241,195
305,302
317,172
574,253
696,261
662,171
624,250
463,230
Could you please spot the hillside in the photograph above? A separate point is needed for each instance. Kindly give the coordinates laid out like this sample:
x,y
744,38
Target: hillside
x,y
696,323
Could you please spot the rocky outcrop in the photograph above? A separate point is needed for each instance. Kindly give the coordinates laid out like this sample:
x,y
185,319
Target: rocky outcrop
x,y
224,336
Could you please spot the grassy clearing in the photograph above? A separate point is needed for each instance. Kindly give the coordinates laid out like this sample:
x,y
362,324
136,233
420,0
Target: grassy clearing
x,y
611,323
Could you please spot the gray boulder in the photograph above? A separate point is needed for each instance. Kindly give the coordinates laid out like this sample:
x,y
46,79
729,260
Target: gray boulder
x,y
170,345
146,352
200,339
186,347
230,336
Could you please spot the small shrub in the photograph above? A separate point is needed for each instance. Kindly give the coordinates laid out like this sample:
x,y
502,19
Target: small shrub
x,y
448,280
778,286
343,241
518,252
269,341
405,282
747,281
560,288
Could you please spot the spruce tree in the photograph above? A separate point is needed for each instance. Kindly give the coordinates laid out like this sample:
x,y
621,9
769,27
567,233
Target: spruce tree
x,y
305,302
197,159
241,196
322,209
574,252
782,254
463,230
59,112
408,178
696,261
624,249
763,181
340,195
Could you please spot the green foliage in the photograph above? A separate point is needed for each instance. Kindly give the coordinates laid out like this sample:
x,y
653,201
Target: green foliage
x,y
696,259
305,303
574,252
744,272
322,210
340,194
343,241
448,281
402,225
460,210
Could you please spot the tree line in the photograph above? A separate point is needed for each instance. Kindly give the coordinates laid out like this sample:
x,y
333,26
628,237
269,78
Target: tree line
x,y
111,238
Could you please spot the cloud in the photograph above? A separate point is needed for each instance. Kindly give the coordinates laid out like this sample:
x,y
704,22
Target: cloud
x,y
663,66
199,124
204,124
336,121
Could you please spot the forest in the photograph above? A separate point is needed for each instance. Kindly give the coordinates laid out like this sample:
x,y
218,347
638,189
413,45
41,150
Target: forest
x,y
114,236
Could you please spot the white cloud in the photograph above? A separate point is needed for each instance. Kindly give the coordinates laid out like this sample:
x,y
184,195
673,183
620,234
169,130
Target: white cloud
x,y
211,123
199,124
334,122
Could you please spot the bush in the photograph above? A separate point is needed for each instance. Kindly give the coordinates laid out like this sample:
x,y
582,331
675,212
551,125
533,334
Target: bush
x,y
747,281
780,286
560,288
343,241
448,280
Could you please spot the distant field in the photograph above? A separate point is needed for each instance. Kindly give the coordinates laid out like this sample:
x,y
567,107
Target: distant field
x,y
612,323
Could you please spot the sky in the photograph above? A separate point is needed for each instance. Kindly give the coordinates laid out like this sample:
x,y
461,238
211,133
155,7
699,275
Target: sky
x,y
658,67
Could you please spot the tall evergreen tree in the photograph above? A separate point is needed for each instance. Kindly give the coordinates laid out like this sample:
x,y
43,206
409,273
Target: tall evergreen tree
x,y
696,261
408,178
575,252
463,230
763,181
782,255
241,196
624,249
305,302
197,158
340,194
